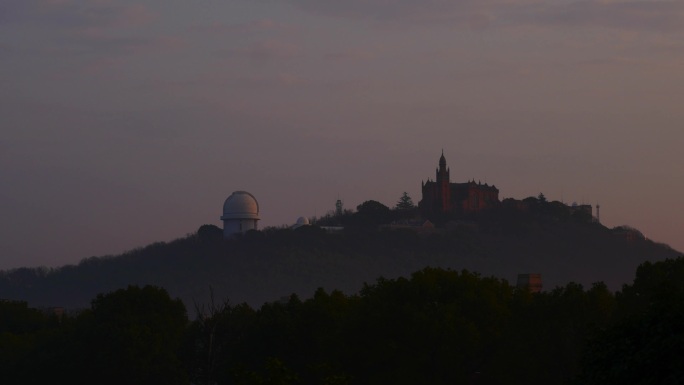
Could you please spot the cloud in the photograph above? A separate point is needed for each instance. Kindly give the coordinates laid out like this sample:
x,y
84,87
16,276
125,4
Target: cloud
x,y
74,14
98,34
409,11
259,41
634,15
251,27
93,42
661,15
72,26
272,50
265,51
278,80
351,55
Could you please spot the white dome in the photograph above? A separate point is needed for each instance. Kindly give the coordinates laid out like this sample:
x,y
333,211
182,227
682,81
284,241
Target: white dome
x,y
241,205
302,221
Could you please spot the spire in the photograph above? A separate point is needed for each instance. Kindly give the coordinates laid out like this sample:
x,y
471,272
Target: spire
x,y
442,174
442,161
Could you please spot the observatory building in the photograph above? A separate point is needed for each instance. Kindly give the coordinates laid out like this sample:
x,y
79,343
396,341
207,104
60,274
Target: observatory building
x,y
240,213
301,221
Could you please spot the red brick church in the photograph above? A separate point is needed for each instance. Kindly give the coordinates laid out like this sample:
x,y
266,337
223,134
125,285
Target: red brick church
x,y
441,197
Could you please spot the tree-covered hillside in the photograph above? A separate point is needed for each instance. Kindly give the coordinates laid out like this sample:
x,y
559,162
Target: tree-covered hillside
x,y
271,264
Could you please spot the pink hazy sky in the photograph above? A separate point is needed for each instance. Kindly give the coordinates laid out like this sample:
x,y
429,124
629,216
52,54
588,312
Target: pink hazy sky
x,y
128,122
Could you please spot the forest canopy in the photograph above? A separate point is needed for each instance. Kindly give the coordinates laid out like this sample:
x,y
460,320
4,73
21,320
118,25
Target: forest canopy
x,y
438,326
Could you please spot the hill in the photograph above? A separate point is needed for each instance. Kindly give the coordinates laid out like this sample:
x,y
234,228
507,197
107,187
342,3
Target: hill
x,y
268,265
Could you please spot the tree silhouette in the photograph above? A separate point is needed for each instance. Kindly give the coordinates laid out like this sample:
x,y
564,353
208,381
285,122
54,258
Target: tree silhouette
x,y
405,202
209,232
372,213
134,336
541,198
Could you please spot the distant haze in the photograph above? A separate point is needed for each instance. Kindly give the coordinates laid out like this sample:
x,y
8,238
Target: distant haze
x,y
128,122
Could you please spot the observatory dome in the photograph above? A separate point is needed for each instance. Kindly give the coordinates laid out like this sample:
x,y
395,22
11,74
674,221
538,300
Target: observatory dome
x,y
241,205
301,221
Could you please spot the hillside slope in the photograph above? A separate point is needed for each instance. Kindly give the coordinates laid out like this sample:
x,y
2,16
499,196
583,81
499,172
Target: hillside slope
x,y
268,265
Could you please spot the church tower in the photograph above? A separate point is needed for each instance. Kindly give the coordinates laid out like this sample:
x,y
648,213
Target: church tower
x,y
443,185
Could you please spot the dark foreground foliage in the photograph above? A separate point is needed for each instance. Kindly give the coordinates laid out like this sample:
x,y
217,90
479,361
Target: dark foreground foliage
x,y
436,327
646,344
132,335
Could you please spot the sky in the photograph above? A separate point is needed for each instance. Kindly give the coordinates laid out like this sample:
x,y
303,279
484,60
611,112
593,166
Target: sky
x,y
127,122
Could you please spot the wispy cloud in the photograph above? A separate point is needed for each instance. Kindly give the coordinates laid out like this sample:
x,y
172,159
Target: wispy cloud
x,y
634,15
76,25
272,50
97,34
661,15
74,14
264,51
351,55
279,80
257,26
468,12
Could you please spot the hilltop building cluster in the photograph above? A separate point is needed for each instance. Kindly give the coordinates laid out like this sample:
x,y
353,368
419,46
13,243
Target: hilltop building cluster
x,y
442,199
